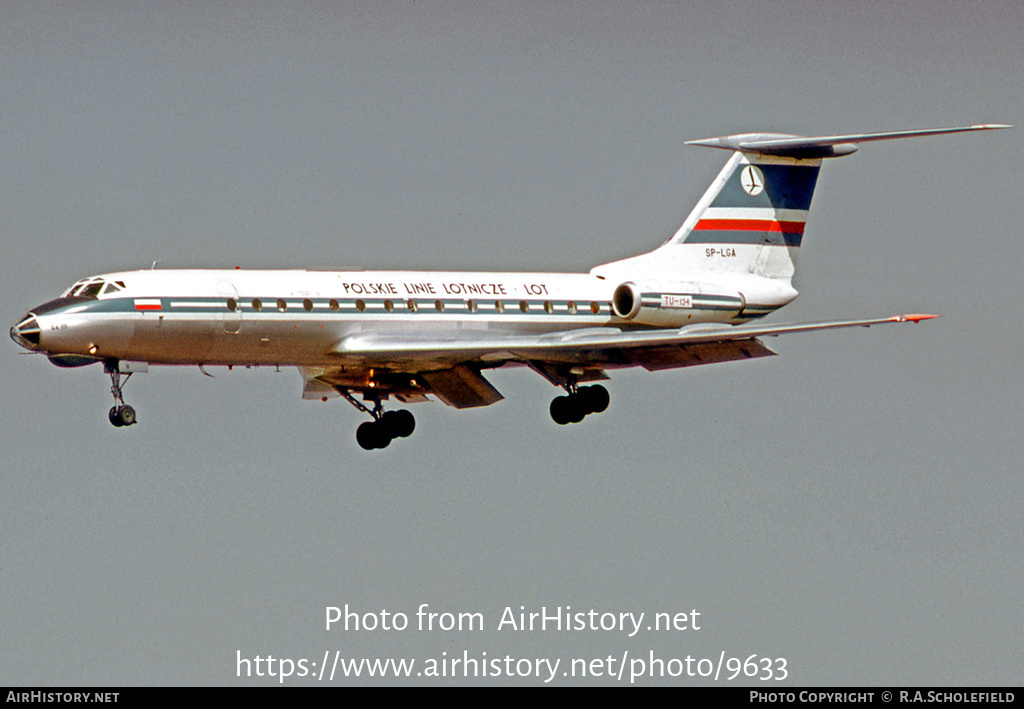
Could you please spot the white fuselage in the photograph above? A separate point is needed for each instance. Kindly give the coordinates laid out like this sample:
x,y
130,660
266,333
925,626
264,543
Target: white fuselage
x,y
295,317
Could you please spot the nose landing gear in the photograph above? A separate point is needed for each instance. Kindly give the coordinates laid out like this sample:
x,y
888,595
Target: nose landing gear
x,y
121,414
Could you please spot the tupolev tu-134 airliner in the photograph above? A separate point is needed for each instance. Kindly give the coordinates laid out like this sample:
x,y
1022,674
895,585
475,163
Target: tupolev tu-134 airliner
x,y
371,337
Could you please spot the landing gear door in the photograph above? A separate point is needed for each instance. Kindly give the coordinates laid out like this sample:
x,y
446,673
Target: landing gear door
x,y
231,313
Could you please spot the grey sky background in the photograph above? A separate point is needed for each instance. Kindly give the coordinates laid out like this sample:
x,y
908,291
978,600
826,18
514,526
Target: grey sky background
x,y
853,505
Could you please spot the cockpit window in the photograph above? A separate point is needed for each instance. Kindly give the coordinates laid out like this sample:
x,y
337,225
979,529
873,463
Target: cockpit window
x,y
73,288
92,287
90,290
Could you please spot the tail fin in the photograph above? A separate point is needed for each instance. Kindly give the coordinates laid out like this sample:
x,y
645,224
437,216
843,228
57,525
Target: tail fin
x,y
751,219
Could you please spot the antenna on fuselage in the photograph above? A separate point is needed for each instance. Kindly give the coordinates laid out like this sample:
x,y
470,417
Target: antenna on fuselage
x,y
153,267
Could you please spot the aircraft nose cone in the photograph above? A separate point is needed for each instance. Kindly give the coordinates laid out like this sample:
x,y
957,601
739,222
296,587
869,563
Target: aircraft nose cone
x,y
26,332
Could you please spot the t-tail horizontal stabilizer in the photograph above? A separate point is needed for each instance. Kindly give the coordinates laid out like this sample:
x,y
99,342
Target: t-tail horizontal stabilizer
x,y
833,146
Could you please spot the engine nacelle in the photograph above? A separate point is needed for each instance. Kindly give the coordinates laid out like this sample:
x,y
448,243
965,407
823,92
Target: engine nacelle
x,y
674,304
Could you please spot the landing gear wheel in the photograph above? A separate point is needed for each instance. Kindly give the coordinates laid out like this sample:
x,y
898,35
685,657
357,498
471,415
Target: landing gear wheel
x,y
561,410
372,434
401,423
577,408
126,414
596,398
123,415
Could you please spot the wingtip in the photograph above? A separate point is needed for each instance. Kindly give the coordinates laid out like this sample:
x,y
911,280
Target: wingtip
x,y
913,317
706,143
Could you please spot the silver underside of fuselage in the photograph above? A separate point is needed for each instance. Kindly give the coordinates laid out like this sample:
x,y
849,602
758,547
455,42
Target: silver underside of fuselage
x,y
275,340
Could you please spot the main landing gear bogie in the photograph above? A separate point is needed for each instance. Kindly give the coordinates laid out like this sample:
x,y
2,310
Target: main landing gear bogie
x,y
385,427
381,431
578,404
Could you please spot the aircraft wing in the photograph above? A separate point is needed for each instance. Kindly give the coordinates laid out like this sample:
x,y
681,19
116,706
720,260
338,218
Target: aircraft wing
x,y
449,367
590,345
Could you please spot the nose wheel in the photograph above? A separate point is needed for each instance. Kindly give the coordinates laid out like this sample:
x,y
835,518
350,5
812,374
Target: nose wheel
x,y
120,414
123,415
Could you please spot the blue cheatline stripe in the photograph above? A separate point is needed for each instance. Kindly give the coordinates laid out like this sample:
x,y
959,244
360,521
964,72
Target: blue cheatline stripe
x,y
735,236
786,187
321,306
345,306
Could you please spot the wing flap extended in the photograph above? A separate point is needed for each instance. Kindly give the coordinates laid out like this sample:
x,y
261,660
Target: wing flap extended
x,y
461,387
672,357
